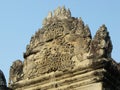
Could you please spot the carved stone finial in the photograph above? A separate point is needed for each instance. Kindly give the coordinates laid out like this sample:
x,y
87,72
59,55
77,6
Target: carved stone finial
x,y
59,13
16,71
69,12
2,79
81,23
87,31
62,13
49,15
3,85
101,45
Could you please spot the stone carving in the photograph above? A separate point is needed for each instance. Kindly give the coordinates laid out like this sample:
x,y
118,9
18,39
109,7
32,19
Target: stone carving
x,y
2,79
3,85
49,15
59,13
60,45
101,45
16,71
62,13
62,55
53,47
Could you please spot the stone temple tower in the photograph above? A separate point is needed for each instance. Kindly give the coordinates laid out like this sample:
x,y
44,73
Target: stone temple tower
x,y
62,55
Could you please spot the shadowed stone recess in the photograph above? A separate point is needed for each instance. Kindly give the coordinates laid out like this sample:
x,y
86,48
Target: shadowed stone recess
x,y
2,81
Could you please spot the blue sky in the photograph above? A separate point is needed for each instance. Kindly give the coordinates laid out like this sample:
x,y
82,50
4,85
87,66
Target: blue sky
x,y
20,19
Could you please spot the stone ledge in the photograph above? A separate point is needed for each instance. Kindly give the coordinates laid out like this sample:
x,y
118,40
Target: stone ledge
x,y
87,73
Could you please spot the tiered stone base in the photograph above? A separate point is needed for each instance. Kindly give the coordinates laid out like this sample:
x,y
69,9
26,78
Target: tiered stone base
x,y
90,78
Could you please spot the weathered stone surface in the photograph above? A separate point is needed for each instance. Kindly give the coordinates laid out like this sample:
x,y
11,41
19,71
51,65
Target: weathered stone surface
x,y
2,79
86,76
63,56
101,45
94,86
59,14
3,85
54,46
16,71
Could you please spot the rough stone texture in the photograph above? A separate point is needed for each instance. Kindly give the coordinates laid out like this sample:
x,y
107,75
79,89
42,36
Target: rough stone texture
x,y
16,71
59,14
96,86
57,47
63,56
3,85
101,45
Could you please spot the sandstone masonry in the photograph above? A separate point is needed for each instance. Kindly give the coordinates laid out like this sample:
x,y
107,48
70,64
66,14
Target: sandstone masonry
x,y
62,55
